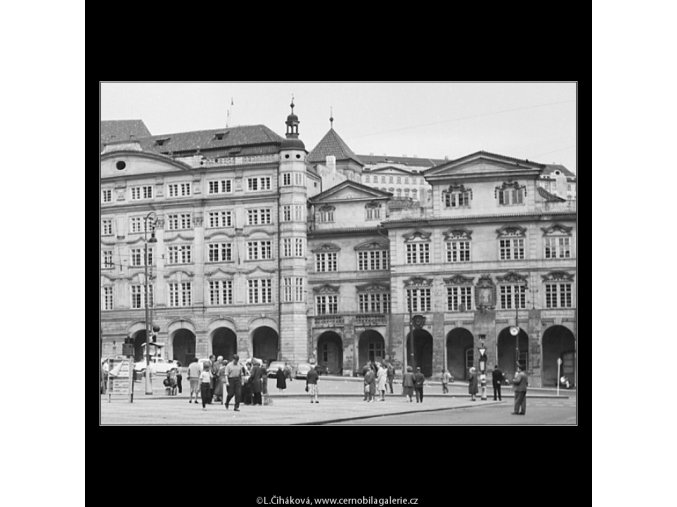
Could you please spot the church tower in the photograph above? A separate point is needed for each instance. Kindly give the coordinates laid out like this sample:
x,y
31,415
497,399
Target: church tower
x,y
293,244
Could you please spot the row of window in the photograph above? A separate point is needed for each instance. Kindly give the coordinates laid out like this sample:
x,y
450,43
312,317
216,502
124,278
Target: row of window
x,y
326,214
180,294
259,291
460,298
216,252
375,178
221,186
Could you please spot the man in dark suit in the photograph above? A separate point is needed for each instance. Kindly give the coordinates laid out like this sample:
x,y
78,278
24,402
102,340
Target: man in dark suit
x,y
255,378
520,383
497,380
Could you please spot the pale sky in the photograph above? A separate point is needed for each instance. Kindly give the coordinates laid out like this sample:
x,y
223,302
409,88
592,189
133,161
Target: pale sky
x,y
535,121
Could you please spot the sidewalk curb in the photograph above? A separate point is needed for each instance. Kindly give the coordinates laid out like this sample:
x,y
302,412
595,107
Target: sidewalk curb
x,y
371,416
142,396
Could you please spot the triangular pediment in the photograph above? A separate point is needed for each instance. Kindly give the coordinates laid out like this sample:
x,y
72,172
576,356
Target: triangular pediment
x,y
134,163
349,191
391,169
484,164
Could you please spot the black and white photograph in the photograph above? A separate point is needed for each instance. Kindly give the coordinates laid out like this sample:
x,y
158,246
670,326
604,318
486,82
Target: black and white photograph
x,y
338,253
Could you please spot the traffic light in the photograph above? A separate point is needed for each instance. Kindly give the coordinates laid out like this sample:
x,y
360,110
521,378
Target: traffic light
x,y
156,329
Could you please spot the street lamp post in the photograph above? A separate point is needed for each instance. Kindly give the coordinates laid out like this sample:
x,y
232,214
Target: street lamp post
x,y
149,387
483,370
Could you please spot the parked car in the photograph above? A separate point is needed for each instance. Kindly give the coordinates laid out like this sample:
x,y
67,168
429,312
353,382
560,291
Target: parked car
x,y
272,369
302,370
158,366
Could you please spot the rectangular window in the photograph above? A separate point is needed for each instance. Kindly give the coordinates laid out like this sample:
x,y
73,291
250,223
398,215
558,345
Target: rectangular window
x,y
287,290
418,253
558,295
259,250
107,298
286,179
374,302
458,251
221,292
325,262
142,192
260,291
298,213
557,248
220,186
179,221
286,213
373,260
258,184
107,227
137,296
299,179
513,295
418,300
136,225
107,259
286,247
220,252
326,215
180,294
511,249
179,254
456,199
374,213
510,196
178,189
258,216
216,219
299,250
326,305
299,290
459,298
136,257
107,195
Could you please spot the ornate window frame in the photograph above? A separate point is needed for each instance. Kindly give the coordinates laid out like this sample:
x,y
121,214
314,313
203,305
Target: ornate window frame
x,y
458,188
326,247
458,280
510,185
325,214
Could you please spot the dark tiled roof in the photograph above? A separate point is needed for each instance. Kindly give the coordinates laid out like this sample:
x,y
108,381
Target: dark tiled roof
x,y
385,159
551,168
121,130
548,196
332,144
208,140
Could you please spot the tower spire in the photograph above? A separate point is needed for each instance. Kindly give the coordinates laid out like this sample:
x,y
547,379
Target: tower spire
x,y
331,117
292,122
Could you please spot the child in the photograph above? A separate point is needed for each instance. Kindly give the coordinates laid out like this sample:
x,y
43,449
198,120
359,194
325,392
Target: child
x,y
205,386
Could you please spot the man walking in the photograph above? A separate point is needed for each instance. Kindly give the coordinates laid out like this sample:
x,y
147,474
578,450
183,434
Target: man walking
x,y
419,379
497,379
234,381
446,377
390,376
311,384
520,387
194,372
255,378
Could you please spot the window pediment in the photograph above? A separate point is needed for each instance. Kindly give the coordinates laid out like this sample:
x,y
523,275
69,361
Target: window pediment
x,y
326,289
178,274
326,247
510,185
458,280
219,235
326,207
417,281
373,204
512,277
558,276
372,245
416,236
511,231
372,287
219,273
557,230
457,234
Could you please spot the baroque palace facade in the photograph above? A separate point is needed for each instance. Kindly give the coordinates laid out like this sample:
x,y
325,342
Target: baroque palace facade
x,y
261,247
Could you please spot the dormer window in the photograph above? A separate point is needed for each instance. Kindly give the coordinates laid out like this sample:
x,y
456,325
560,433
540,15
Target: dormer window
x,y
456,196
219,136
510,193
161,142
